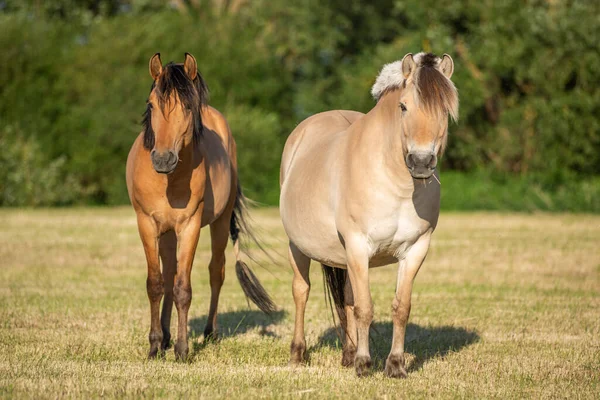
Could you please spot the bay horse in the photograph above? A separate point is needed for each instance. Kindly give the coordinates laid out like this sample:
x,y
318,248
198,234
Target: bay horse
x,y
182,175
360,191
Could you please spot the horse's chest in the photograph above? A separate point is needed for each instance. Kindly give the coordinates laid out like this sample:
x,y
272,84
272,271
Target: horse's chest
x,y
171,204
392,234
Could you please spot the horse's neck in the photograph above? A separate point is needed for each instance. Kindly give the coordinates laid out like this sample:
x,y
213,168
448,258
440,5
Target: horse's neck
x,y
190,157
381,136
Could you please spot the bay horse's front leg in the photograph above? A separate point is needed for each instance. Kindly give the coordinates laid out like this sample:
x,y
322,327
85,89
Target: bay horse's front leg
x,y
187,236
357,254
407,270
154,283
300,290
168,257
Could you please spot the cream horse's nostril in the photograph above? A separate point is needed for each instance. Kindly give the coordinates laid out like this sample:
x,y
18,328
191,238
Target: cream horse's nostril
x,y
427,160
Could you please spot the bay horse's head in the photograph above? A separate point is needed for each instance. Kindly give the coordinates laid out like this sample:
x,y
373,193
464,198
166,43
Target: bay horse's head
x,y
173,115
426,97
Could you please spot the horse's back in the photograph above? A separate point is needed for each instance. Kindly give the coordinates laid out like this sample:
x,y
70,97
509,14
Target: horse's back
x,y
310,132
220,152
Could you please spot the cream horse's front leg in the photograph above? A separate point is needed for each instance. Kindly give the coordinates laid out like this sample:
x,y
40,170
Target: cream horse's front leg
x,y
407,270
357,254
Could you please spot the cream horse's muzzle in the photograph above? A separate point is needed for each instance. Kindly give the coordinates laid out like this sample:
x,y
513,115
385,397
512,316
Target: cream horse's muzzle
x,y
421,164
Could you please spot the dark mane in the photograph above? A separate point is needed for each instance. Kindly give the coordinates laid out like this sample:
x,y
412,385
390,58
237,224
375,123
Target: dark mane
x,y
192,95
436,92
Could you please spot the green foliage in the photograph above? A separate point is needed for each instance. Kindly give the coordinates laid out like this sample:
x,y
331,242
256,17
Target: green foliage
x,y
258,147
73,79
484,190
27,178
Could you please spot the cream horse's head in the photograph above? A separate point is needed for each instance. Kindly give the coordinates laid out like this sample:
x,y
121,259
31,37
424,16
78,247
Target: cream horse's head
x,y
427,97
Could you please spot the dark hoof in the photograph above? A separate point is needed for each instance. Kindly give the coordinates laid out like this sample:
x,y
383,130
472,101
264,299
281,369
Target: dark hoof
x,y
211,336
297,353
153,353
362,364
394,367
348,357
166,342
181,351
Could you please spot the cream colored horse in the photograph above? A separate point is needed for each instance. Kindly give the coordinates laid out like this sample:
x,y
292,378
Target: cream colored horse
x,y
360,191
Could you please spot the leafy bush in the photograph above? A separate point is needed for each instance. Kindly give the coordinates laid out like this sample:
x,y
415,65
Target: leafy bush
x,y
28,179
73,76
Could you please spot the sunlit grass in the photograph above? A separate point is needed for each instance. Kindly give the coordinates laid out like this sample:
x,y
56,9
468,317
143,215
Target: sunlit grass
x,y
506,305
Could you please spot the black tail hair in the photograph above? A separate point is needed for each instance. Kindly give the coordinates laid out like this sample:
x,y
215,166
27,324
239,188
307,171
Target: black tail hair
x,y
248,281
335,280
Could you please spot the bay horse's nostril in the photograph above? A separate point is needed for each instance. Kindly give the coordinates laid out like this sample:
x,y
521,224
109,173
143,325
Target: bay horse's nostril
x,y
172,157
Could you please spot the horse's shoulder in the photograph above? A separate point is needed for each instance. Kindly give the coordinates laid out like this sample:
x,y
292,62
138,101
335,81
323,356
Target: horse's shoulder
x,y
213,119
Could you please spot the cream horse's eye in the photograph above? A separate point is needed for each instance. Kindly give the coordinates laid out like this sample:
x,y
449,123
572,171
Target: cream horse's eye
x,y
403,106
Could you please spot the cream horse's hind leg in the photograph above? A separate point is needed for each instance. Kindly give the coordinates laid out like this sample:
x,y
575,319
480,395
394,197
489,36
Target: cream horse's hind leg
x,y
300,289
408,268
349,326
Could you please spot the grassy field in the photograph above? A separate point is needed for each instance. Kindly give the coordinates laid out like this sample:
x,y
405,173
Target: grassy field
x,y
506,306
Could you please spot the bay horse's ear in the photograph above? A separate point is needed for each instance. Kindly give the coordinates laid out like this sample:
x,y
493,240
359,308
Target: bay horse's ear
x,y
408,65
190,66
446,66
155,66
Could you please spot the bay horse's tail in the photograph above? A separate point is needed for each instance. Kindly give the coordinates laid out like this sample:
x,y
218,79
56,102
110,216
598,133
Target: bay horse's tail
x,y
248,281
335,280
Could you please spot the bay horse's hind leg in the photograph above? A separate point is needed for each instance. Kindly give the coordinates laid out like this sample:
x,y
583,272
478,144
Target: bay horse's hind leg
x,y
219,233
300,289
154,282
168,256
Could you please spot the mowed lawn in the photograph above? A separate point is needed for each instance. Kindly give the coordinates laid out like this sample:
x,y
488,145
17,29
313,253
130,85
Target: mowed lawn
x,y
505,306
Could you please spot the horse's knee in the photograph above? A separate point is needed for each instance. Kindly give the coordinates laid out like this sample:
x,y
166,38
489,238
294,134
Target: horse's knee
x,y
155,288
363,314
182,293
400,311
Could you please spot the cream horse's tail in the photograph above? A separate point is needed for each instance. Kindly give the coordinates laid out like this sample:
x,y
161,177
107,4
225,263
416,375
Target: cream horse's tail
x,y
248,281
335,280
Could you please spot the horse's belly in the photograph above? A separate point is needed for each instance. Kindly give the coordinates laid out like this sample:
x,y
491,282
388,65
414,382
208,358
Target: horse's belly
x,y
310,223
320,245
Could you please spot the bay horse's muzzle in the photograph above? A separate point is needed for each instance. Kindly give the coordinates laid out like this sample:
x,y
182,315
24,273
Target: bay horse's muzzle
x,y
165,162
421,165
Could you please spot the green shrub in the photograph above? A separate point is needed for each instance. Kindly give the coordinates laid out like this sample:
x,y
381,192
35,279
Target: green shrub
x,y
73,76
27,178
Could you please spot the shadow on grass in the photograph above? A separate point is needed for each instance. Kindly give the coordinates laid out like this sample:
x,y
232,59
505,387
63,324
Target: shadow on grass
x,y
235,323
424,342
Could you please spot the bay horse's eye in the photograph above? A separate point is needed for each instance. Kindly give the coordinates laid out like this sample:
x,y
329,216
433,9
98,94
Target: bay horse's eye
x,y
403,106
150,106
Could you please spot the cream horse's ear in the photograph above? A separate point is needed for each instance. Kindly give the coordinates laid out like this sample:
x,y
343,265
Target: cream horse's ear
x,y
446,66
155,66
408,65
190,66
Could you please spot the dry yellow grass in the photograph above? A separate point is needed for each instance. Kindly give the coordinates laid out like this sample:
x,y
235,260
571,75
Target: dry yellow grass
x,y
506,305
